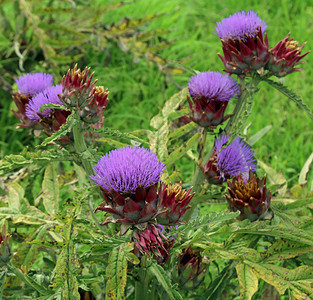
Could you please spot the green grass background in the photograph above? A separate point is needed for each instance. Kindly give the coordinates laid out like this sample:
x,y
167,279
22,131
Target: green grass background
x,y
138,89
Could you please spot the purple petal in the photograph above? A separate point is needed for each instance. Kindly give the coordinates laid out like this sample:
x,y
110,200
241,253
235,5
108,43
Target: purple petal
x,y
239,25
49,95
213,86
124,169
34,83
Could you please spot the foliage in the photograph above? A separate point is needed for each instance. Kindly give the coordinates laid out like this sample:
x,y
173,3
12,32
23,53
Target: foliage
x,y
60,249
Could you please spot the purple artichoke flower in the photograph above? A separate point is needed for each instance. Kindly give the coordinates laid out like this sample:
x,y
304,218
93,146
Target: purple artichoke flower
x,y
49,95
128,178
29,85
240,26
244,49
125,169
229,161
210,93
32,84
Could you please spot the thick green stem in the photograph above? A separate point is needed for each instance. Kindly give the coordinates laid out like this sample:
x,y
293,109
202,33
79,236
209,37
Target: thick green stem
x,y
198,176
81,148
85,158
142,284
243,106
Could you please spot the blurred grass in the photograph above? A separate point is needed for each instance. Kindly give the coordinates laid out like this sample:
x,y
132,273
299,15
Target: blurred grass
x,y
138,89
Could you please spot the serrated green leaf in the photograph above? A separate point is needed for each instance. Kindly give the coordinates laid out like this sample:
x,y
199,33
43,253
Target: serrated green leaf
x,y
169,107
111,142
108,132
298,281
247,280
157,271
284,249
64,273
12,162
50,190
52,105
182,150
279,231
15,195
178,113
291,95
116,272
64,129
182,131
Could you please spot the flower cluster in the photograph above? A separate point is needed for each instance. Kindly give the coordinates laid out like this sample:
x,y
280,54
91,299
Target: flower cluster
x,y
246,48
29,85
129,178
76,91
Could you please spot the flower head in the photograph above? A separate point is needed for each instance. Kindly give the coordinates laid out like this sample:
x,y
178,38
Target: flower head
x,y
210,93
213,86
285,56
249,196
125,169
174,201
151,241
49,95
228,161
234,158
191,269
33,83
128,178
245,50
240,25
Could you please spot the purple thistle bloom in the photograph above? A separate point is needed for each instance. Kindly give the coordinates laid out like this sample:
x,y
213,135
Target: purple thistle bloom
x,y
214,86
234,158
124,169
240,25
49,95
33,83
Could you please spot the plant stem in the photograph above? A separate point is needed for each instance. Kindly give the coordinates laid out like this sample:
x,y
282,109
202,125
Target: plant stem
x,y
81,148
198,176
142,285
85,157
243,105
